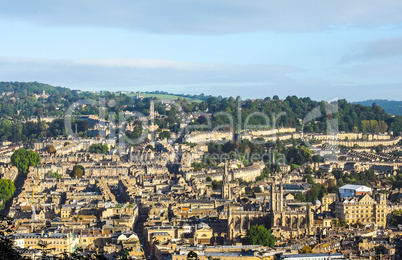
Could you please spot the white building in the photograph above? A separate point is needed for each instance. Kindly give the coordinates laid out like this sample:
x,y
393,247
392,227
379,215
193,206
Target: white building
x,y
349,190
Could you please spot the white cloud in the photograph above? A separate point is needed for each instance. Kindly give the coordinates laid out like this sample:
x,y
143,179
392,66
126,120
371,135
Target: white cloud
x,y
207,16
384,48
146,63
136,72
386,71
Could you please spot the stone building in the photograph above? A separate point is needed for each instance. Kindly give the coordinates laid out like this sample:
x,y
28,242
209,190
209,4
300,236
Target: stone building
x,y
239,221
364,208
297,216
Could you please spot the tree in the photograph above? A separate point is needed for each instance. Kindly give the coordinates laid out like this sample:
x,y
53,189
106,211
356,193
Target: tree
x,y
23,159
164,134
198,166
256,189
259,235
305,250
51,149
125,254
7,190
379,250
310,179
316,192
105,148
308,170
396,217
216,185
266,172
300,197
192,255
43,248
78,171
208,178
7,250
99,148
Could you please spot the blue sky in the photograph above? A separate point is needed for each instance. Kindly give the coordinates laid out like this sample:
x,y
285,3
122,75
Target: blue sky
x,y
321,49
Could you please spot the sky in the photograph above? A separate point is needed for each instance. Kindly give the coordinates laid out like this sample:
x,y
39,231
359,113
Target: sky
x,y
320,49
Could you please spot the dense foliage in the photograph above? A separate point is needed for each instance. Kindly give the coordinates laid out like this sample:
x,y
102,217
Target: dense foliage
x,y
316,192
266,173
23,159
78,171
51,149
25,99
392,107
22,101
360,178
259,235
164,134
99,148
397,180
7,190
7,250
300,197
216,185
396,217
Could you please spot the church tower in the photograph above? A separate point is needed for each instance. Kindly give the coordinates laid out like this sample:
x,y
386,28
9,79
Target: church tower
x,y
276,203
225,190
276,198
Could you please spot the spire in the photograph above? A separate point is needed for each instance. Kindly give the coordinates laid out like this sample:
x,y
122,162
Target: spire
x,y
225,174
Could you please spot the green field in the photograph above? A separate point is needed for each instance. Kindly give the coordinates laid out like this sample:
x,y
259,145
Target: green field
x,y
165,97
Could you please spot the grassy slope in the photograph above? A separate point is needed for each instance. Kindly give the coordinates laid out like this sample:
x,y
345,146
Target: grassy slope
x,y
165,97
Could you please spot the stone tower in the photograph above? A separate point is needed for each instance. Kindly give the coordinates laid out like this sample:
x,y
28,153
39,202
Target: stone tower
x,y
276,198
225,190
276,203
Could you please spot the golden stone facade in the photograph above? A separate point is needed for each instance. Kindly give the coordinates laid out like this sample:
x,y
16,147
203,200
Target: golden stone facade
x,y
364,209
296,216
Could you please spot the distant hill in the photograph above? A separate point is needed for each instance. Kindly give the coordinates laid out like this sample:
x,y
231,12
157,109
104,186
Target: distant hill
x,y
390,106
22,101
172,96
166,96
